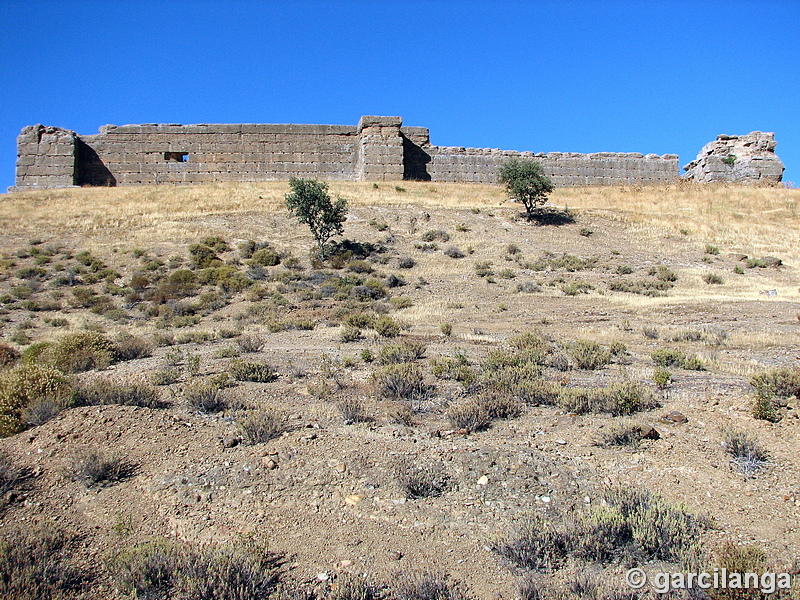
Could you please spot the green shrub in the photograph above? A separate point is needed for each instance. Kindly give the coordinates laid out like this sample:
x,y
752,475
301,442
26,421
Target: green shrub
x,y
446,329
668,357
713,279
78,352
203,257
662,378
25,386
738,269
260,426
349,334
453,368
165,376
589,355
693,363
765,410
386,327
436,235
257,371
265,257
712,249
782,382
633,526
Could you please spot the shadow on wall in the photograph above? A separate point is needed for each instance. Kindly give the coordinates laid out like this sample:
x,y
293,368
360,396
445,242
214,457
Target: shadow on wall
x,y
415,162
90,168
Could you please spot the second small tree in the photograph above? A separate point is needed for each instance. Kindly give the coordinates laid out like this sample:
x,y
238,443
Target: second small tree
x,y
526,182
310,203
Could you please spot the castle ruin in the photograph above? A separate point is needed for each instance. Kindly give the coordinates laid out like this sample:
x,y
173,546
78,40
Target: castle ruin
x,y
377,149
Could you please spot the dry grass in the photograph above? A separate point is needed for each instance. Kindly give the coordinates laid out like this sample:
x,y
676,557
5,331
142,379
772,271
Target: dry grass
x,y
748,219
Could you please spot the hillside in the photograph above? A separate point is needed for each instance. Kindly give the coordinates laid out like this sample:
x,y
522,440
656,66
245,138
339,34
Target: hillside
x,y
454,382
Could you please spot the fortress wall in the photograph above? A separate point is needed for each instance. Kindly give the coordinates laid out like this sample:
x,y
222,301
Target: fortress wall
x,y
377,149
137,154
46,157
481,165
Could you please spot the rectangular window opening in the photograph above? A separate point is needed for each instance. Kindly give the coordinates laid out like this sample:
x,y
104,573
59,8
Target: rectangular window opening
x,y
176,156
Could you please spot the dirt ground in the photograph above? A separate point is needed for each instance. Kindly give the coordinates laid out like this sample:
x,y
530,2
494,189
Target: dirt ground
x,y
325,493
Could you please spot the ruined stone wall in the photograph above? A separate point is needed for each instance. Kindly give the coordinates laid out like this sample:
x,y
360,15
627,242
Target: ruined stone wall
x,y
481,165
136,154
377,149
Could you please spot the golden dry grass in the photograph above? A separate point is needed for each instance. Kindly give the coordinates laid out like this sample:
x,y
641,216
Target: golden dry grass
x,y
754,220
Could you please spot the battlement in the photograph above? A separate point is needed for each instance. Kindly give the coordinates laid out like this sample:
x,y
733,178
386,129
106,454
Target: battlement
x,y
377,149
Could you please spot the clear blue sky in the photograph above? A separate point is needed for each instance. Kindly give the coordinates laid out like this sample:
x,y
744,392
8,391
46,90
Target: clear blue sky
x,y
584,76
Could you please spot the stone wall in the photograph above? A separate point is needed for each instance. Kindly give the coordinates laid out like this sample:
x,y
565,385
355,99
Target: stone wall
x,y
377,149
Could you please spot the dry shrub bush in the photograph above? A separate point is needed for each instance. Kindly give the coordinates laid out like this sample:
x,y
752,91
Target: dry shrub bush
x,y
34,565
621,434
634,527
10,474
250,343
419,480
403,381
259,426
470,415
353,587
747,454
8,355
24,387
427,585
205,397
130,347
165,569
353,410
589,355
93,467
405,351
128,393
257,371
739,559
622,398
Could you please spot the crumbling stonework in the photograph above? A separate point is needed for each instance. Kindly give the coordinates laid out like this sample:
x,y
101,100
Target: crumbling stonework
x,y
741,158
377,149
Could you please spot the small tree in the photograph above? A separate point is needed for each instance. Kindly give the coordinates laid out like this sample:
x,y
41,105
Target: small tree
x,y
310,203
526,182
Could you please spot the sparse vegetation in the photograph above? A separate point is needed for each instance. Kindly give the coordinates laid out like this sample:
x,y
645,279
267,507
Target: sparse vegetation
x,y
259,426
747,454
